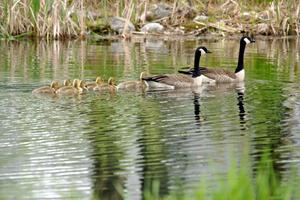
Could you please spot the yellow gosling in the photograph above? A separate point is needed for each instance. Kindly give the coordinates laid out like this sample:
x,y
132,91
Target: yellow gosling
x,y
82,88
67,82
70,90
138,85
110,86
47,89
91,85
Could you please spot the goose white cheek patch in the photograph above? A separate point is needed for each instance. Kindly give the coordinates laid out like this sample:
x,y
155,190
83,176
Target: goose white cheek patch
x,y
202,51
247,41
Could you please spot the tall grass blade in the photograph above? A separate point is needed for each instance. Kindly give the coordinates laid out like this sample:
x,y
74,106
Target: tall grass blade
x,y
35,4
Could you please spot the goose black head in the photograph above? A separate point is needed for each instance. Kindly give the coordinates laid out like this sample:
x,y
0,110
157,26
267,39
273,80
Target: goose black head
x,y
247,40
202,50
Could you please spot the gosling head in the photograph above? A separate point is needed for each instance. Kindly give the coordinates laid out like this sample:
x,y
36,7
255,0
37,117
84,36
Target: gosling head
x,y
111,81
142,75
54,85
81,84
75,83
99,80
67,82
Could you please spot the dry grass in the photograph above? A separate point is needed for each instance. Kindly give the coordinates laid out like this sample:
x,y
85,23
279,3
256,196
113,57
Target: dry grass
x,y
59,19
42,18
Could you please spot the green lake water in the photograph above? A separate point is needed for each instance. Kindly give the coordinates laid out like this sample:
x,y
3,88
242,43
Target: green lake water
x,y
102,145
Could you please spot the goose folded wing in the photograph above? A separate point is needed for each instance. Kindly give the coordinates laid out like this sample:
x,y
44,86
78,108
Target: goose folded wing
x,y
171,79
190,71
156,78
218,73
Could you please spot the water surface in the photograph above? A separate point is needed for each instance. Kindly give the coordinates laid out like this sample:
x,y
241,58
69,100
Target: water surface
x,y
114,146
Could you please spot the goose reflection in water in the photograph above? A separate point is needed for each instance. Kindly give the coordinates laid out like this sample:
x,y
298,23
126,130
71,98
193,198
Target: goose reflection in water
x,y
223,88
240,90
197,109
242,113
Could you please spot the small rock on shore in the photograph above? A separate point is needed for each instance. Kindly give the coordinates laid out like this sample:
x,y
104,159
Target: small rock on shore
x,y
117,24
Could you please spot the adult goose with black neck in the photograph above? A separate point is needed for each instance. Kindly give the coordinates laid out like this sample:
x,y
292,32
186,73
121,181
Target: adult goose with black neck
x,y
173,81
223,75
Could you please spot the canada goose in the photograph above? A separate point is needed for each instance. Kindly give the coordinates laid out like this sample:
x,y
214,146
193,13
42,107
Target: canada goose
x,y
47,89
172,81
133,85
106,87
223,75
91,85
71,90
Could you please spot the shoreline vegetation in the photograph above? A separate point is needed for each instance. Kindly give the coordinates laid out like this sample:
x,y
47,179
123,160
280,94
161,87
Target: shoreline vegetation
x,y
93,19
241,183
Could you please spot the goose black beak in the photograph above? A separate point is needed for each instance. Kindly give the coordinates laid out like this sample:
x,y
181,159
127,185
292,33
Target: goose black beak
x,y
208,51
252,41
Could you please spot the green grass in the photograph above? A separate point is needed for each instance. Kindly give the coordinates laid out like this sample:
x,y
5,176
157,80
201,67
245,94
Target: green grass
x,y
239,183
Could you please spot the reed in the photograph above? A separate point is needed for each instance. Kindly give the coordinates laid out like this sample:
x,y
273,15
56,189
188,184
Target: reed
x,y
42,18
59,19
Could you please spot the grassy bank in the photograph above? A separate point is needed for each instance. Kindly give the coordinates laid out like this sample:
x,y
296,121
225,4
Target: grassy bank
x,y
240,183
58,19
